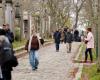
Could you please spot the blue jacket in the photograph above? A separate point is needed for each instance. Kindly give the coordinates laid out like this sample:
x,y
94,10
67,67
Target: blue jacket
x,y
57,36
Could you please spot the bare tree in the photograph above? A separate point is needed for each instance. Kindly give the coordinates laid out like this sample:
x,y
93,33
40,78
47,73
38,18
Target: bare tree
x,y
93,16
78,4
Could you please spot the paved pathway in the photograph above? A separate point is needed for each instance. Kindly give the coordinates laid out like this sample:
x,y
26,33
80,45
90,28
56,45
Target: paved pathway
x,y
53,65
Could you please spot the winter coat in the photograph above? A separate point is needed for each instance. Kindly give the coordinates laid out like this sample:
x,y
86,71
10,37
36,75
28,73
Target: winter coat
x,y
6,56
31,44
10,35
57,37
68,37
90,40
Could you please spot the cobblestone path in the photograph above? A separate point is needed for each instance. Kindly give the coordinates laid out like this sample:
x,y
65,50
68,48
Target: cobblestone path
x,y
53,65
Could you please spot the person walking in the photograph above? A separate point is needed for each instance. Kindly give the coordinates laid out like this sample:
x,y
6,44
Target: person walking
x,y
89,41
5,57
65,33
9,34
32,46
68,40
57,37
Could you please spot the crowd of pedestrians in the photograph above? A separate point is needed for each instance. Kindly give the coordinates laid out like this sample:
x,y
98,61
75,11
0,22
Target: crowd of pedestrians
x,y
34,43
73,36
67,38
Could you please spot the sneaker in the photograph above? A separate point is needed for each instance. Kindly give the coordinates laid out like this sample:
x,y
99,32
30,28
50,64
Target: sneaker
x,y
36,68
33,69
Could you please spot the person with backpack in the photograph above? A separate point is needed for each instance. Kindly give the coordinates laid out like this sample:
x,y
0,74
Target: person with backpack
x,y
57,37
32,46
6,57
68,40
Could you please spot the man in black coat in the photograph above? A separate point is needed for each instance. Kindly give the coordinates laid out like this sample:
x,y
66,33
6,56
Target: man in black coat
x,y
68,40
57,37
9,34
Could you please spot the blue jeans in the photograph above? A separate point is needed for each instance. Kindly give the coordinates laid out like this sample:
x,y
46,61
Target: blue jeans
x,y
33,59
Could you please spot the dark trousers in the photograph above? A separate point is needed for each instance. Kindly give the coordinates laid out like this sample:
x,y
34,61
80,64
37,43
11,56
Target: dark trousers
x,y
57,46
6,75
88,50
68,47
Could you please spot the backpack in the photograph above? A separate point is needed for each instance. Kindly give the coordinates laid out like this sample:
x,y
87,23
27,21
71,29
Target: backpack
x,y
13,62
35,43
7,53
5,50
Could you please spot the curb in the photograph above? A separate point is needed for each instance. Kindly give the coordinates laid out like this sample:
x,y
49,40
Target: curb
x,y
78,74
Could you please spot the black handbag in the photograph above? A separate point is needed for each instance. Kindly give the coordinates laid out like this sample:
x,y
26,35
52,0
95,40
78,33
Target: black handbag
x,y
86,41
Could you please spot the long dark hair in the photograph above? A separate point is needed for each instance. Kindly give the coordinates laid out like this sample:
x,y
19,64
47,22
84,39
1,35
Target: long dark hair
x,y
89,29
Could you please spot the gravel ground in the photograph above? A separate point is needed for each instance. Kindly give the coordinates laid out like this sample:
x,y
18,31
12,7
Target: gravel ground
x,y
53,65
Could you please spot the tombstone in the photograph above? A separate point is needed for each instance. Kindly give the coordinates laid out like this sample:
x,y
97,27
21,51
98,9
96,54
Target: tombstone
x,y
27,24
17,11
9,14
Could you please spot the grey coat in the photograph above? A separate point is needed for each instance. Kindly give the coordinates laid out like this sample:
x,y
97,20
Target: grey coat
x,y
5,50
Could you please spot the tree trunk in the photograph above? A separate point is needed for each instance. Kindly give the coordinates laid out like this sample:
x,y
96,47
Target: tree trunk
x,y
98,36
76,22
